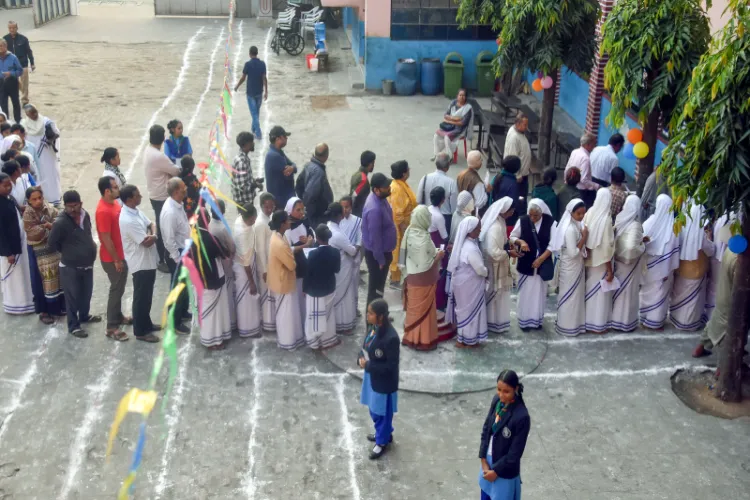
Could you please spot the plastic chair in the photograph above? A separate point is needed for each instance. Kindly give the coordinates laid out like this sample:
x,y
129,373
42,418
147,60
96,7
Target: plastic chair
x,y
455,153
307,24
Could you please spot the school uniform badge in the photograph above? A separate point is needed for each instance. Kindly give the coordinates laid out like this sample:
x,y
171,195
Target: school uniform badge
x,y
506,432
378,353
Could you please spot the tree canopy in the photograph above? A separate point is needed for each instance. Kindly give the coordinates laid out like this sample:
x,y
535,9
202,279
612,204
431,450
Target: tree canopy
x,y
653,46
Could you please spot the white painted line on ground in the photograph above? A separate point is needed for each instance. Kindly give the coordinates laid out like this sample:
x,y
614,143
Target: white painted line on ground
x,y
249,481
313,374
23,383
86,426
167,100
211,63
594,339
656,370
175,411
347,433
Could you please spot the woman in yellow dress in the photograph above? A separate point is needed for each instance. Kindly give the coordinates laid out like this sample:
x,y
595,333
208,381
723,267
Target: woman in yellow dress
x,y
403,202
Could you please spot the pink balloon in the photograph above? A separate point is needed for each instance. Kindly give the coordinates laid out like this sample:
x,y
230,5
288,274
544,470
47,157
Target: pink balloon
x,y
547,82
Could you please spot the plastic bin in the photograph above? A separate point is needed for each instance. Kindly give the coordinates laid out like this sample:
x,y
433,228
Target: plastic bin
x,y
320,31
387,87
431,80
485,73
453,74
406,77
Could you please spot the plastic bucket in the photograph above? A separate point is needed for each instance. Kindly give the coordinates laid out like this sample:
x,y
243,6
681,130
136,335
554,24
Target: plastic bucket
x,y
387,87
308,60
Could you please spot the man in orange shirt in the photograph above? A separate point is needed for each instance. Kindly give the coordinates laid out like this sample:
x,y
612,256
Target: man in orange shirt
x,y
112,256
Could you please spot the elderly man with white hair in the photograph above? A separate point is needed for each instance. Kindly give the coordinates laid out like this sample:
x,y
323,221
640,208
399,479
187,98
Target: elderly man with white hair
x,y
580,159
20,47
516,144
469,180
175,229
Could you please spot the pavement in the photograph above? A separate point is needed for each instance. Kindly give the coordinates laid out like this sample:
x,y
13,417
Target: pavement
x,y
256,422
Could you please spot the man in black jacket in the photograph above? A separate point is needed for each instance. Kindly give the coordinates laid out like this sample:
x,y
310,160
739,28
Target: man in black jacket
x,y
19,45
71,236
317,193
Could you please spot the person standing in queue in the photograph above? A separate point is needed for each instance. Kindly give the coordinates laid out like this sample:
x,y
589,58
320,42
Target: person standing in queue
x,y
279,169
378,235
504,436
379,358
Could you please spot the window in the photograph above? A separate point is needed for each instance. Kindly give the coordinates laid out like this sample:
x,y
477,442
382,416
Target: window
x,y
432,20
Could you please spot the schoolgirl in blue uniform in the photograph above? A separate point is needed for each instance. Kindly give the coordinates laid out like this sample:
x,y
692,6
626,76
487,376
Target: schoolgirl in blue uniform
x,y
504,436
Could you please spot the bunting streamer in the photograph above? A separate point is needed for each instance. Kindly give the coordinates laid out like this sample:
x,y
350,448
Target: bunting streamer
x,y
190,278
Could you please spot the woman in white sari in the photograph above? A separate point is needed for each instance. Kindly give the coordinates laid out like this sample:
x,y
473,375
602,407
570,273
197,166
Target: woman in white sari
x,y
351,226
494,240
456,124
345,299
629,264
15,279
570,244
464,208
663,257
246,275
689,291
533,234
600,247
263,235
48,156
466,299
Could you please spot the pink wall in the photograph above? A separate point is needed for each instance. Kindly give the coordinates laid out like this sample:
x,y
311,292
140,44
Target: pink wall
x,y
359,4
716,16
377,18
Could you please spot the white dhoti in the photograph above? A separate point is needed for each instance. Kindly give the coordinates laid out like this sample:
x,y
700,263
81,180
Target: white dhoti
x,y
498,307
320,323
345,299
571,305
598,303
467,305
15,281
625,300
687,302
532,293
247,305
216,327
289,332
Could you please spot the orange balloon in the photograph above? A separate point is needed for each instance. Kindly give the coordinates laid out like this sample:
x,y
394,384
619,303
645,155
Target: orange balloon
x,y
635,136
537,85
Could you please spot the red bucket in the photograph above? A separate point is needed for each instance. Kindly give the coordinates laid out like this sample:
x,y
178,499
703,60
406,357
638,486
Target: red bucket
x,y
308,58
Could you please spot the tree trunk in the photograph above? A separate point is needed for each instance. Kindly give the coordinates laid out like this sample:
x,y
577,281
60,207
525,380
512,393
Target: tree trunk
x,y
545,121
644,167
732,349
515,84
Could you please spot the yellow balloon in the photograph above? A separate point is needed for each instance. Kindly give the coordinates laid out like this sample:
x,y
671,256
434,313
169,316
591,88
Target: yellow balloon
x,y
640,150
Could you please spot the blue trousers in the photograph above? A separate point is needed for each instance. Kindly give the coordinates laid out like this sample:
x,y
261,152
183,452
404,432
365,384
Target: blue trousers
x,y
484,496
383,424
254,103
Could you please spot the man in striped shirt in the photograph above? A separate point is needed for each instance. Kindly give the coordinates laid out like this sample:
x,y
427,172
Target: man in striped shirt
x,y
440,178
360,185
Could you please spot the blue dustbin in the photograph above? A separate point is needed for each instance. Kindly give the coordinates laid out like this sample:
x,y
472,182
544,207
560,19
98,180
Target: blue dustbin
x,y
406,77
432,76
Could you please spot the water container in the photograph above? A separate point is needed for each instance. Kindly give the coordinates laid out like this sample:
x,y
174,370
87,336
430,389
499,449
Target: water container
x,y
320,31
432,76
406,77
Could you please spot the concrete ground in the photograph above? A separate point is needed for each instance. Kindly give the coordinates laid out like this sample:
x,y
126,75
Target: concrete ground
x,y
255,422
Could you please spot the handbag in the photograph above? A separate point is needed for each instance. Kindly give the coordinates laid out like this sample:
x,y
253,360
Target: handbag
x,y
447,127
547,270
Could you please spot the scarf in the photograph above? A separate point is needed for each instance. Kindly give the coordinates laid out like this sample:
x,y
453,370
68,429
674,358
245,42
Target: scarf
x,y
628,214
464,203
539,205
660,227
33,127
115,170
8,143
558,239
417,249
500,411
691,237
493,213
599,219
628,231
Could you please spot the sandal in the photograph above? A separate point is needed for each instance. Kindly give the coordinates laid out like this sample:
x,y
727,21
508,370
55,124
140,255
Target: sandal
x,y
127,320
117,335
46,319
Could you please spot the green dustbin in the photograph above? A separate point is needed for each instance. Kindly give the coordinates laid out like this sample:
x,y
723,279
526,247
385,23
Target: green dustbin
x,y
485,74
453,73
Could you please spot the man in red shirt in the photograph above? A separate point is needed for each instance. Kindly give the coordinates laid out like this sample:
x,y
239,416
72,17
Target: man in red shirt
x,y
112,256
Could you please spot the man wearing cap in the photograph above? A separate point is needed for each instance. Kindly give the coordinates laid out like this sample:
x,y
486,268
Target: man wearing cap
x,y
378,235
279,169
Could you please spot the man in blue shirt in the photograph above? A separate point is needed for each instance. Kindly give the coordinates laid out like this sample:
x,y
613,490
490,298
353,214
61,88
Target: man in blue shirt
x,y
10,70
378,235
279,169
257,88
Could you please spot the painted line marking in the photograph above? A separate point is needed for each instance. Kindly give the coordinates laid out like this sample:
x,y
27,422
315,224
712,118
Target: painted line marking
x,y
26,379
175,411
211,63
178,85
249,481
347,433
86,426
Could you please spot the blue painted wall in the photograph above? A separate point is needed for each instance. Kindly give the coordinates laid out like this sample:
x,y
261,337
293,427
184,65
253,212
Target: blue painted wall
x,y
356,30
574,96
383,53
606,131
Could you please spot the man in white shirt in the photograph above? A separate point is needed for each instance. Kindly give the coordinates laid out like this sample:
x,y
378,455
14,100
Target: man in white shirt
x,y
440,178
175,229
159,169
138,244
516,144
579,159
604,159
